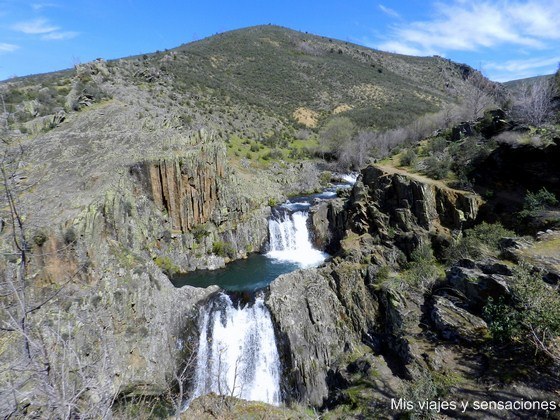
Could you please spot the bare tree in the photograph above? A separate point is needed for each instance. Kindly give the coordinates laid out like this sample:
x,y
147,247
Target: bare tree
x,y
479,95
533,102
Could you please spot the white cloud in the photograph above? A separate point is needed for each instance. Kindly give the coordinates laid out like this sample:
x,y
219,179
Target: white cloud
x,y
529,64
59,36
522,68
4,47
389,12
45,29
35,27
477,24
40,6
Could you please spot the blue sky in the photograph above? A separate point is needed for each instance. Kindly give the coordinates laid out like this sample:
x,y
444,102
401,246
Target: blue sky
x,y
505,39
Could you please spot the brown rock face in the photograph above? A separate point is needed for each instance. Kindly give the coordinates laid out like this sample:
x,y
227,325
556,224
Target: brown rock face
x,y
412,199
186,188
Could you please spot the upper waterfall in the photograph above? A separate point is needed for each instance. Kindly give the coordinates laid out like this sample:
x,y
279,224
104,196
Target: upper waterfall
x,y
289,240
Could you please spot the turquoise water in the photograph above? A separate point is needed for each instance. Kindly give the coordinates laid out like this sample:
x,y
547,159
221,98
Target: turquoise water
x,y
289,248
253,273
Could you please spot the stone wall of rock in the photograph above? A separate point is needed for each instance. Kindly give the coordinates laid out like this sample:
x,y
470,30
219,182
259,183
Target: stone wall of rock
x,y
409,200
186,187
321,315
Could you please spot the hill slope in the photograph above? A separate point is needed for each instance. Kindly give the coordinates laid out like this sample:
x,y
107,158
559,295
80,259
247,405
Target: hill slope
x,y
278,71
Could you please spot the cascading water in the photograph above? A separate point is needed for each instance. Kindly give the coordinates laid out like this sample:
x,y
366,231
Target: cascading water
x,y
289,240
237,353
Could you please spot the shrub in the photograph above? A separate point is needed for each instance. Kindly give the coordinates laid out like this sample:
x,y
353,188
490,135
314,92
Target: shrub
x,y
482,239
223,249
533,318
408,157
437,168
426,385
199,232
167,265
422,270
539,201
40,238
70,236
436,145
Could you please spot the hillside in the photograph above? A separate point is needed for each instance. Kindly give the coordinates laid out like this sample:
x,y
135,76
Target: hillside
x,y
276,71
247,88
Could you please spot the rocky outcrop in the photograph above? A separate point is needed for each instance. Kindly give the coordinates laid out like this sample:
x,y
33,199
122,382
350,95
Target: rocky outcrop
x,y
321,316
107,325
508,173
477,283
395,198
187,187
328,224
454,323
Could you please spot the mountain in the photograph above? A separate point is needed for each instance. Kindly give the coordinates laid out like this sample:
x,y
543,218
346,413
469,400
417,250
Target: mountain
x,y
277,71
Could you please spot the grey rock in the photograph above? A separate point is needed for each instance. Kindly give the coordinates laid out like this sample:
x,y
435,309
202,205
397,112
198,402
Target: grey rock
x,y
454,323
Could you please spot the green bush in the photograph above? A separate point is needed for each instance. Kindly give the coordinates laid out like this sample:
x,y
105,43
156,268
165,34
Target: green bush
x,y
422,270
40,238
70,236
199,232
536,202
167,265
408,157
223,249
437,167
481,240
427,385
533,317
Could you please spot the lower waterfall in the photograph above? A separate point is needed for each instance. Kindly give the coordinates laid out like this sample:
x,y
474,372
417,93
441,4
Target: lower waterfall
x,y
237,353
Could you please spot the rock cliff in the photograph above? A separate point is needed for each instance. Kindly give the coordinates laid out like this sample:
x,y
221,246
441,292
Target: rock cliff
x,y
321,315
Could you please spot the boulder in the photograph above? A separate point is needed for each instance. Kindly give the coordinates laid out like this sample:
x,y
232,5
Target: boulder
x,y
456,324
476,286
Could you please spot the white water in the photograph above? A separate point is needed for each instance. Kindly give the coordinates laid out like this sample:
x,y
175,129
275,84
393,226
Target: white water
x,y
237,353
289,241
351,178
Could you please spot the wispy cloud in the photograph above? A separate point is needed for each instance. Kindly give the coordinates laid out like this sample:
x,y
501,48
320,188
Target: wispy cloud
x,y
388,11
45,29
59,36
35,27
40,6
529,64
4,47
522,68
478,24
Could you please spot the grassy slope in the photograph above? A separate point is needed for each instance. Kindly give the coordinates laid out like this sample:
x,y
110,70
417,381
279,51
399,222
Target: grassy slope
x,y
281,70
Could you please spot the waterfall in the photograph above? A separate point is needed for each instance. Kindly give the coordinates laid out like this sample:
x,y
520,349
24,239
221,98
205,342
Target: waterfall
x,y
237,353
289,240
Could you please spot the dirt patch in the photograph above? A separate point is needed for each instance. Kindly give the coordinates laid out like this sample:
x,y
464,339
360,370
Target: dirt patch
x,y
342,108
369,92
306,116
